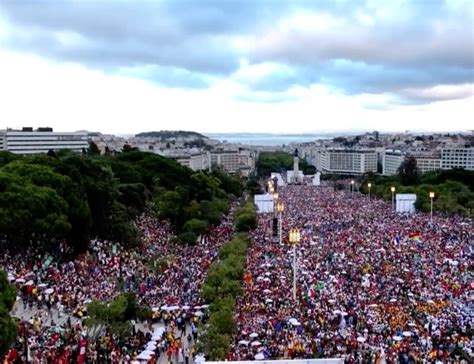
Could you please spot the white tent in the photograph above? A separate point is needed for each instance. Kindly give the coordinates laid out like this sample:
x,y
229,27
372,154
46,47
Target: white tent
x,y
405,202
264,203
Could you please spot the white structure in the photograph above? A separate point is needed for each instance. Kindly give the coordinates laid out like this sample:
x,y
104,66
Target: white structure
x,y
457,157
391,161
427,162
280,181
344,161
304,361
295,176
29,141
264,203
405,202
194,161
317,179
229,160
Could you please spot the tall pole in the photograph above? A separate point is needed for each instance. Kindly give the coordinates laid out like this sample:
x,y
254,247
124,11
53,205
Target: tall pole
x,y
431,212
280,232
393,201
294,271
432,195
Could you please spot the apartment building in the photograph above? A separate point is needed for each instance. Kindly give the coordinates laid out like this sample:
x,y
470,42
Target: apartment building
x,y
41,140
346,161
457,157
391,161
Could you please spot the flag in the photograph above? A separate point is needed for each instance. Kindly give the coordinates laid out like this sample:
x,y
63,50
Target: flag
x,y
247,278
320,285
310,293
415,236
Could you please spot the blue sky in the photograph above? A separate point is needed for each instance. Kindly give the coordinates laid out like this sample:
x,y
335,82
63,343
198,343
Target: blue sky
x,y
237,65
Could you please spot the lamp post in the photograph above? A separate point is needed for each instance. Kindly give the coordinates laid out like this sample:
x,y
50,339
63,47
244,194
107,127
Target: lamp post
x,y
352,187
393,197
294,236
280,209
369,185
432,194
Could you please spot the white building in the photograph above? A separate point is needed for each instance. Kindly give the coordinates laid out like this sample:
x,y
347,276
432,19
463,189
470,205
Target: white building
x,y
29,141
457,157
391,161
427,162
194,161
229,160
344,161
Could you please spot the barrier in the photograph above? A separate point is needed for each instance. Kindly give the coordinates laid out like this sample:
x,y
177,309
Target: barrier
x,y
308,361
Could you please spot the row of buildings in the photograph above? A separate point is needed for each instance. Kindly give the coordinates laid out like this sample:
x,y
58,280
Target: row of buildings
x,y
41,140
360,161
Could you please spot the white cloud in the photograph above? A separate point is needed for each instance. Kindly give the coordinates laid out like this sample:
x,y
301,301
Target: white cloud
x,y
36,92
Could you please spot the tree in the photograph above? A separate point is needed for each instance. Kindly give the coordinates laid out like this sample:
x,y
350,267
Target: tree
x,y
7,325
93,149
408,171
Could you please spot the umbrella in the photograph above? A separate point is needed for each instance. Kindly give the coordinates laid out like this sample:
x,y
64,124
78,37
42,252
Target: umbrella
x,y
337,312
173,308
411,324
268,300
256,343
42,285
267,291
407,333
204,306
397,338
49,291
332,301
267,280
259,356
198,313
164,308
29,283
154,309
393,300
186,307
143,356
253,335
20,280
244,342
361,339
268,274
199,358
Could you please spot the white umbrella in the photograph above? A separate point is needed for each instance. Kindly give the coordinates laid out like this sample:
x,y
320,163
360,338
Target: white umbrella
x,y
407,333
255,343
337,312
148,352
186,307
20,280
393,300
199,358
173,308
42,285
154,309
332,301
411,324
267,280
198,313
204,306
430,302
397,338
361,339
143,356
164,308
267,291
268,274
244,342
49,291
253,335
259,356
268,300
197,307
29,283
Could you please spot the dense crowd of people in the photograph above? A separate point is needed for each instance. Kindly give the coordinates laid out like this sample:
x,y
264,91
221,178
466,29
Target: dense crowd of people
x,y
373,286
165,276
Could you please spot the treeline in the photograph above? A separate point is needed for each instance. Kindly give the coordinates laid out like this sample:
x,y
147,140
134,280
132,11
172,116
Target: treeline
x,y
72,197
454,188
279,162
7,325
222,287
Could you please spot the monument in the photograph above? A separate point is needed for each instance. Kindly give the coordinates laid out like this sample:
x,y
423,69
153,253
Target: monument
x,y
295,176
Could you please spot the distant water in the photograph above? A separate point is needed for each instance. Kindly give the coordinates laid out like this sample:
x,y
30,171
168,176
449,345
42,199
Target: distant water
x,y
263,138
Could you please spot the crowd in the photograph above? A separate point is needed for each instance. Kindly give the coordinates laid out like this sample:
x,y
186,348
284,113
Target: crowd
x,y
373,286
166,277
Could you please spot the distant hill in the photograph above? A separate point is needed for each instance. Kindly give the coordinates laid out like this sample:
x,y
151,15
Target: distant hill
x,y
171,134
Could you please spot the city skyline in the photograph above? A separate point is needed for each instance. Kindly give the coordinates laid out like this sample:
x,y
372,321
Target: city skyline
x,y
237,66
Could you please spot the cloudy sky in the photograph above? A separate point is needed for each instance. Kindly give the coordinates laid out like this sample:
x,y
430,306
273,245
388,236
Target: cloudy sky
x,y
126,66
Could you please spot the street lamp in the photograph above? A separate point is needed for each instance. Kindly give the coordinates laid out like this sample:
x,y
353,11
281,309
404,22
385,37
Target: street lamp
x,y
432,195
294,236
393,197
280,209
352,186
369,185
